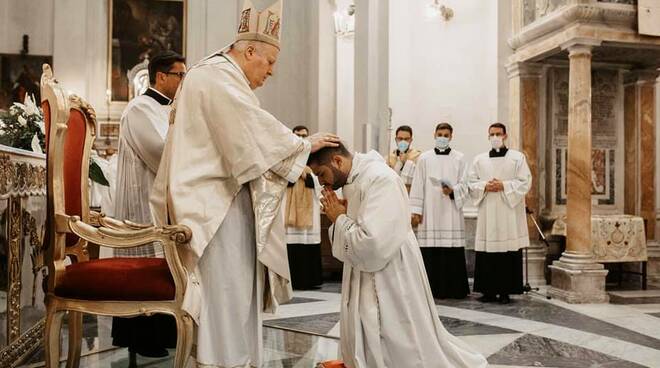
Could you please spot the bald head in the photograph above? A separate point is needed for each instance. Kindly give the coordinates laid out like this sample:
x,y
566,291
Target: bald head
x,y
257,60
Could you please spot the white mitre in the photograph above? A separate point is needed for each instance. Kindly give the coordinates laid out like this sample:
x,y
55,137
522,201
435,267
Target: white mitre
x,y
264,26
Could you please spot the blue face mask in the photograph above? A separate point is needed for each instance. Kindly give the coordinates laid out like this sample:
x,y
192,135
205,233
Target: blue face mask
x,y
403,146
441,143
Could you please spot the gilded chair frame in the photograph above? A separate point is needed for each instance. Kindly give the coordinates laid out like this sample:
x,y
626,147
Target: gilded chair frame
x,y
95,228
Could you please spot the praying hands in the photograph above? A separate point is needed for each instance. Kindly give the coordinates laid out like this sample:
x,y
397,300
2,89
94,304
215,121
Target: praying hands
x,y
332,205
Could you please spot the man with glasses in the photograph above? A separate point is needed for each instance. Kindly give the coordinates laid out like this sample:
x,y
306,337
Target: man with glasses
x,y
403,159
143,129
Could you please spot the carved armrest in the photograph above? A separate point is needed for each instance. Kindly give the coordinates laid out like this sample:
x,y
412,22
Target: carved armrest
x,y
126,237
100,219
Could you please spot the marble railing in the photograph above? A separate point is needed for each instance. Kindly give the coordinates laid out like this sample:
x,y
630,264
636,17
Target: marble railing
x,y
22,221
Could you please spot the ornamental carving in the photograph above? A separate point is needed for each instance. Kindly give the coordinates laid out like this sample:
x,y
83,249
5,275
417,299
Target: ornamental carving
x,y
21,178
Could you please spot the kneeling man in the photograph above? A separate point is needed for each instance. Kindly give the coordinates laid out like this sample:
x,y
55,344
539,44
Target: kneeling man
x,y
388,317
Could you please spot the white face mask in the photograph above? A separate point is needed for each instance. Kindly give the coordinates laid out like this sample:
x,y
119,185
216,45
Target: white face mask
x,y
496,142
441,143
403,146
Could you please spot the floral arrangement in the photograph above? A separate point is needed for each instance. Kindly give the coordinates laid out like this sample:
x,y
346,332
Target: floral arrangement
x,y
23,126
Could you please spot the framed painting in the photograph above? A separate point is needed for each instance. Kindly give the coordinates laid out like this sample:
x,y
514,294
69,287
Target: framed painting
x,y
20,76
138,30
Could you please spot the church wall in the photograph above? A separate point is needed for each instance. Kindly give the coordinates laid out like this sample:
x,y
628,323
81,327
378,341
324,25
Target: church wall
x,y
446,71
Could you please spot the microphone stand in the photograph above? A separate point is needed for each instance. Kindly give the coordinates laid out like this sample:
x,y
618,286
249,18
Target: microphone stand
x,y
527,288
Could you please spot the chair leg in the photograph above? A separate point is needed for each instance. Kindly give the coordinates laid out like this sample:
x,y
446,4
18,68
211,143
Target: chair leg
x,y
52,337
75,339
184,340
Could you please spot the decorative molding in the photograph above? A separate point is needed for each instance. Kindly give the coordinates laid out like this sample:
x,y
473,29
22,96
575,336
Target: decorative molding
x,y
21,179
15,232
611,15
15,353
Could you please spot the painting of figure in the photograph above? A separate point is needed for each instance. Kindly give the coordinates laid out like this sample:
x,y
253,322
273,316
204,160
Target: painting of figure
x,y
19,77
140,30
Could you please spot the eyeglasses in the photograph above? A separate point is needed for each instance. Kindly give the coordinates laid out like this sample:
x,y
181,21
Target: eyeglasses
x,y
180,74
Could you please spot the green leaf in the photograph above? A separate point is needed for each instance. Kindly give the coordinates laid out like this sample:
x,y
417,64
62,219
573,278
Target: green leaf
x,y
96,174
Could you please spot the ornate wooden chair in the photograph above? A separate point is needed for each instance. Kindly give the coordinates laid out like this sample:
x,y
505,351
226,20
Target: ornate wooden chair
x,y
122,287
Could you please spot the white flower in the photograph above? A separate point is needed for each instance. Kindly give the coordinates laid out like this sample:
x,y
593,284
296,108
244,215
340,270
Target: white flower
x,y
30,106
42,126
36,147
22,120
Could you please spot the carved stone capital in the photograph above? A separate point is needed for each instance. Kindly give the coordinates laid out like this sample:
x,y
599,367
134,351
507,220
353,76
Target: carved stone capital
x,y
524,70
641,76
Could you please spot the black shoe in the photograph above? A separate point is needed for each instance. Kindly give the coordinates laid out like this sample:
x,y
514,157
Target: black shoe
x,y
504,299
150,352
487,298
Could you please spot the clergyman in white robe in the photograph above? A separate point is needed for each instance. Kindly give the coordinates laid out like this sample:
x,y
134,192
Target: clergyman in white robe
x,y
501,223
441,233
220,144
388,316
142,133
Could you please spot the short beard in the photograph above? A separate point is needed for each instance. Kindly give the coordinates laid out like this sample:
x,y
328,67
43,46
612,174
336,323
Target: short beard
x,y
340,178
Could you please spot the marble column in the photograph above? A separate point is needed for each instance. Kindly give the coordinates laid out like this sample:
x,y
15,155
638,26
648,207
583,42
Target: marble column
x,y
640,153
370,130
576,277
524,131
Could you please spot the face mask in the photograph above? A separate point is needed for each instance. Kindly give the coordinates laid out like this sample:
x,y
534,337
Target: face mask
x,y
403,146
441,143
496,142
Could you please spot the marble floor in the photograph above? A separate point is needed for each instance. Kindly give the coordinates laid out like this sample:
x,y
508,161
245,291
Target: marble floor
x,y
530,332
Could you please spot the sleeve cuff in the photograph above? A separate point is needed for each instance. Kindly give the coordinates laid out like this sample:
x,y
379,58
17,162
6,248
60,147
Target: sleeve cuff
x,y
300,163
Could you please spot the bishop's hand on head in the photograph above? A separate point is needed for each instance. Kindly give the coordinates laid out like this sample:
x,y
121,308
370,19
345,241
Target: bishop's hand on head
x,y
322,140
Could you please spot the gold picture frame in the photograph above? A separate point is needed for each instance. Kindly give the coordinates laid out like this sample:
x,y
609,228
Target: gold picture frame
x,y
147,26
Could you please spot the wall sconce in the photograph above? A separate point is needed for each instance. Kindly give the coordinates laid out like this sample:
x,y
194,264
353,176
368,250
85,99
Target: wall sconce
x,y
444,11
345,22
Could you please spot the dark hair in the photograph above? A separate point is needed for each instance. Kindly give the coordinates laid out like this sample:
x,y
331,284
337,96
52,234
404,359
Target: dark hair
x,y
163,62
324,155
498,125
446,126
404,128
299,127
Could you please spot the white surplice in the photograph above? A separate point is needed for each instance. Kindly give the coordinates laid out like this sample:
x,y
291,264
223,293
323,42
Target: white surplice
x,y
388,316
501,220
443,224
220,144
142,133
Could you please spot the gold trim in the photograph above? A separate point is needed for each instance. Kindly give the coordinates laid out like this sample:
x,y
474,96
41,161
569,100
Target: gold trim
x,y
184,45
21,179
14,354
15,233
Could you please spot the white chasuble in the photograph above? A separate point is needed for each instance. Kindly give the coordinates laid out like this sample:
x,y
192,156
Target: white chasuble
x,y
443,224
388,316
143,129
223,174
501,220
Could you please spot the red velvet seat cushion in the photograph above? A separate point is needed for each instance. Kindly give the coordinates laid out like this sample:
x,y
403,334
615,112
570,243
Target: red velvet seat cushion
x,y
124,279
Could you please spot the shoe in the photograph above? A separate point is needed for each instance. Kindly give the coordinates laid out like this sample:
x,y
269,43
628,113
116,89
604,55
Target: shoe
x,y
504,299
487,298
149,352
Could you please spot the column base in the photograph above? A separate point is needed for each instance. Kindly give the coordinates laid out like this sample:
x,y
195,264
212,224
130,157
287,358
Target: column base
x,y
577,278
536,263
653,266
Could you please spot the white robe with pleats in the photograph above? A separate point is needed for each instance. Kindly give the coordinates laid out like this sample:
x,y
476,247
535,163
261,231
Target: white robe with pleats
x,y
388,317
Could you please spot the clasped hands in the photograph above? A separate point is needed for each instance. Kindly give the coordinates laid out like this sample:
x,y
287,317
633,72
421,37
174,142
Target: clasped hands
x,y
332,205
494,185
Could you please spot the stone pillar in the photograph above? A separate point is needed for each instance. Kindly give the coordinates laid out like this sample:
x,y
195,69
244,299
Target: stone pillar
x,y
639,124
371,76
576,277
524,132
640,162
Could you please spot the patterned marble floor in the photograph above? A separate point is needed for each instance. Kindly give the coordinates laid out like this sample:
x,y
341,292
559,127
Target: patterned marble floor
x,y
530,332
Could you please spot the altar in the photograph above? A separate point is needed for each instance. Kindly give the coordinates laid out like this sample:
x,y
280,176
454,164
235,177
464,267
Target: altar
x,y
614,238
